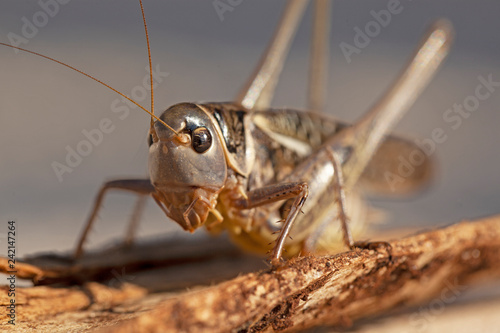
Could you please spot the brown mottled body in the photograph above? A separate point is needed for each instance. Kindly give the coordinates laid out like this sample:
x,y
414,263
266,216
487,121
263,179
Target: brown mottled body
x,y
252,170
282,140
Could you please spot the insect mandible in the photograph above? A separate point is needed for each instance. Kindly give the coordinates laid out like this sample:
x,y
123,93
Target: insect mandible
x,y
251,170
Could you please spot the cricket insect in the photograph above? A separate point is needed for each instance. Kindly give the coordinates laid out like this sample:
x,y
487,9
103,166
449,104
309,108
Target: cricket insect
x,y
251,170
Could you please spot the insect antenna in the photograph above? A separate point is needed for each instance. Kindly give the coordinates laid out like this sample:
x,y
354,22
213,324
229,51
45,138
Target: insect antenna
x,y
153,117
151,127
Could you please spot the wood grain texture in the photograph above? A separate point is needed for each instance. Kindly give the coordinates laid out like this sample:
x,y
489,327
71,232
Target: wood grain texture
x,y
304,292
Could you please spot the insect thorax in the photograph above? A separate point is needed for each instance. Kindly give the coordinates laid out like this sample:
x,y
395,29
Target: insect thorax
x,y
279,140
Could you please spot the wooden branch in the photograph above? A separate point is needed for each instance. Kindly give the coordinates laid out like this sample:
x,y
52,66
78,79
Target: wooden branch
x,y
305,292
335,290
36,303
179,260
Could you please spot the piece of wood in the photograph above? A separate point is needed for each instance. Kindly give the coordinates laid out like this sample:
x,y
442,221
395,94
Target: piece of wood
x,y
304,292
179,259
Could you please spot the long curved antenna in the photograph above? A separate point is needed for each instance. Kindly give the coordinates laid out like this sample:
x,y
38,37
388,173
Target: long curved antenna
x,y
93,78
151,127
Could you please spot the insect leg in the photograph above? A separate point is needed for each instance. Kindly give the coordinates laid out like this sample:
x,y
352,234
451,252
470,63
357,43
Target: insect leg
x,y
134,220
273,193
350,151
259,89
338,187
139,186
318,63
365,136
339,179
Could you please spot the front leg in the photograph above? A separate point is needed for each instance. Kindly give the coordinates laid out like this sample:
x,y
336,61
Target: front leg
x,y
140,187
274,193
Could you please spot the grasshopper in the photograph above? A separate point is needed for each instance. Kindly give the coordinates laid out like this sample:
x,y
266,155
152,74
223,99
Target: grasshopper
x,y
251,170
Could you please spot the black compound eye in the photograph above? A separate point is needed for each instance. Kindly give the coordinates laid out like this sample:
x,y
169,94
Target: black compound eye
x,y
202,139
150,140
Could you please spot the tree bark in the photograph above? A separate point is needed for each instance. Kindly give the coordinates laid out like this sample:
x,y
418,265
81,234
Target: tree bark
x,y
304,292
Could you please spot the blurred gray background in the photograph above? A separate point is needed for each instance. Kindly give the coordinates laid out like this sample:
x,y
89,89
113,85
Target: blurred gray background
x,y
45,107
